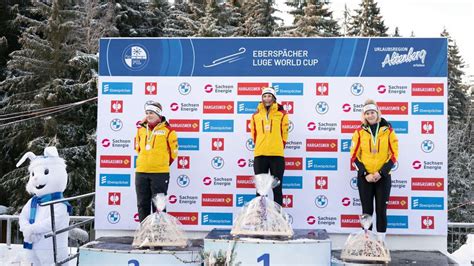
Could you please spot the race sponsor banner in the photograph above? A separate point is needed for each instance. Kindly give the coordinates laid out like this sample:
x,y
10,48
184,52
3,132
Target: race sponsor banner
x,y
210,88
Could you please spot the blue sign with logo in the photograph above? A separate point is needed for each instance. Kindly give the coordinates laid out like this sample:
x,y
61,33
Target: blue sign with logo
x,y
346,145
303,57
216,218
427,203
218,125
322,164
117,88
400,127
242,199
246,107
114,180
288,88
425,108
188,144
292,182
397,221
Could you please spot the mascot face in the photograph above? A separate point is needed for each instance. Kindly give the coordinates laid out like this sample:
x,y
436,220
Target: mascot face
x,y
47,173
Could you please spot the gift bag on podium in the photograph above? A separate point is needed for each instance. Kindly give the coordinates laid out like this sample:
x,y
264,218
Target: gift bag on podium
x,y
261,216
365,245
160,229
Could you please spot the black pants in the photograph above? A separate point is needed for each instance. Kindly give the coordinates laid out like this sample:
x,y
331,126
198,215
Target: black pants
x,y
148,185
379,190
276,165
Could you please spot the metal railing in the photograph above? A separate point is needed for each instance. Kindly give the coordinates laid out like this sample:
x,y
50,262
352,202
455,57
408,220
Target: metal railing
x,y
13,233
54,233
457,234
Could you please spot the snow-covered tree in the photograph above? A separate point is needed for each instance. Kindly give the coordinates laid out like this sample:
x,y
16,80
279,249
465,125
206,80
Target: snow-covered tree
x,y
367,21
296,8
209,22
47,75
141,19
183,20
258,18
396,33
316,20
230,18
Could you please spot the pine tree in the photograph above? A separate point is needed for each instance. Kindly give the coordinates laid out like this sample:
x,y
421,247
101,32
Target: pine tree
x,y
141,19
316,21
47,72
396,33
258,18
230,18
346,20
209,22
183,20
297,7
367,21
460,157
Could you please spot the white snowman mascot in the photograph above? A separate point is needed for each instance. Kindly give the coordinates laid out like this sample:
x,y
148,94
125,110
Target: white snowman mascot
x,y
48,180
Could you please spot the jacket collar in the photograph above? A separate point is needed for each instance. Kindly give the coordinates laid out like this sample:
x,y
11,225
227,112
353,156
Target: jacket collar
x,y
384,125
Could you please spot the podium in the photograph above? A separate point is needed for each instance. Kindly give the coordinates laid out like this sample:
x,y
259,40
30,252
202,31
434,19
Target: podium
x,y
306,247
119,251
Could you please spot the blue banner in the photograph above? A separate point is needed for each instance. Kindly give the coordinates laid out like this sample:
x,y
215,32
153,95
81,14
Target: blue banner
x,y
338,57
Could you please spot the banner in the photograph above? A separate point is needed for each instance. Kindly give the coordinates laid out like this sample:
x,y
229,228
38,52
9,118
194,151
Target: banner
x,y
209,89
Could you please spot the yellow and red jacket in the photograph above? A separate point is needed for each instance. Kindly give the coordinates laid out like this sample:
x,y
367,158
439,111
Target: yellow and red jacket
x,y
163,150
269,130
386,146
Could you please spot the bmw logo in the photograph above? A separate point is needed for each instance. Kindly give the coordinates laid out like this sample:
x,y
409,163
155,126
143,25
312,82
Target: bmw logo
x,y
183,180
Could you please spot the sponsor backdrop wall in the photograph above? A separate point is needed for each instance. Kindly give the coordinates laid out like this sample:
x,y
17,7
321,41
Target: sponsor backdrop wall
x,y
209,88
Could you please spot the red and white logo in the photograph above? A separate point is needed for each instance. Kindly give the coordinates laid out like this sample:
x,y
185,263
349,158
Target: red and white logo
x,y
382,89
346,107
397,203
208,88
217,144
321,145
186,218
185,125
393,108
247,126
172,199
116,106
114,198
174,107
350,220
322,89
311,220
427,222
105,143
427,89
427,183
346,201
321,182
288,106
242,162
416,165
349,126
287,201
183,162
245,181
151,88
311,126
217,200
207,181
136,218
115,161
427,127
293,163
218,107
253,88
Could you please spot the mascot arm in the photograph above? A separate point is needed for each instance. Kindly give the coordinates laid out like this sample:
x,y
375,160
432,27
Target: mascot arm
x,y
24,219
43,224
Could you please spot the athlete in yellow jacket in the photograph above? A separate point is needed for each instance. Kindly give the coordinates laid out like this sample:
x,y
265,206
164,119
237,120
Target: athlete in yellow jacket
x,y
374,151
157,147
269,130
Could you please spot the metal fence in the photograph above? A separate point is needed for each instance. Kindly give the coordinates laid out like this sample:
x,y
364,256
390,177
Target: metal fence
x,y
457,234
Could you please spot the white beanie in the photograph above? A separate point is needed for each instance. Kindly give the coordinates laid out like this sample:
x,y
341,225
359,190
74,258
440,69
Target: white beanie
x,y
269,90
370,107
154,107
